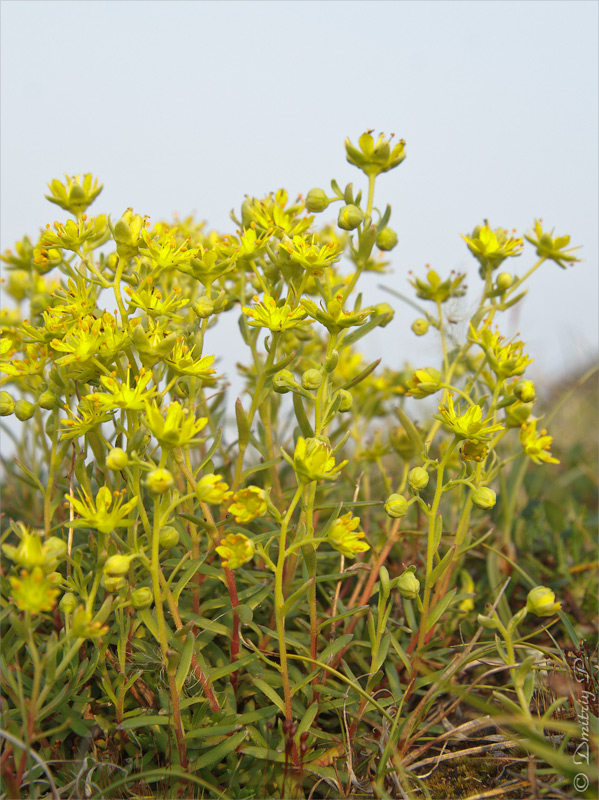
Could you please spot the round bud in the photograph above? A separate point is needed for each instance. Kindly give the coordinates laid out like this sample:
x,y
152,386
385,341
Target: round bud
x,y
203,307
346,401
160,481
541,601
142,598
384,309
525,391
47,400
420,326
417,479
312,379
317,200
168,537
117,459
284,382
386,239
113,584
332,361
117,565
503,281
350,217
24,410
396,506
7,404
68,603
408,585
484,497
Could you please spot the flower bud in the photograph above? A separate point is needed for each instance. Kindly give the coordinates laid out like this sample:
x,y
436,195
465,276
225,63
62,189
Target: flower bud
x,y
396,506
312,379
417,479
350,217
503,281
29,552
203,307
487,622
401,443
127,234
117,459
142,598
516,415
484,497
424,382
48,400
541,601
474,450
408,584
420,326
117,565
160,481
346,401
386,239
68,603
7,404
24,410
332,361
113,583
284,382
168,537
525,391
316,200
383,309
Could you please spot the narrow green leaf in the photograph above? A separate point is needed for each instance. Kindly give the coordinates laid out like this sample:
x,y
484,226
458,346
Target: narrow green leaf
x,y
216,754
302,419
185,663
266,689
410,429
440,608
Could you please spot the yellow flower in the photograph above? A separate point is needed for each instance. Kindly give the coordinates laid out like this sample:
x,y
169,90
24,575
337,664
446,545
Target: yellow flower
x,y
91,337
248,504
87,417
311,257
541,601
374,158
150,300
176,428
553,249
506,360
72,234
122,396
75,195
424,382
33,591
313,460
333,317
212,489
276,316
436,290
536,445
96,514
492,247
82,626
469,425
344,537
164,250
182,361
160,481
235,550
467,588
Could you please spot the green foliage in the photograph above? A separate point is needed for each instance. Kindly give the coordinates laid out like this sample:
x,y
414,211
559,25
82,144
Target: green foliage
x,y
288,593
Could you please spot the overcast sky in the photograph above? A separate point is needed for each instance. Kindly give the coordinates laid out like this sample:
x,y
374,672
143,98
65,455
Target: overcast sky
x,y
188,106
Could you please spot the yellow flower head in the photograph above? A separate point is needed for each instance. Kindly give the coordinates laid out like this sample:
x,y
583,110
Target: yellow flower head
x,y
344,537
541,601
436,290
554,249
76,194
536,445
96,514
176,427
492,247
313,460
469,425
120,395
235,550
83,627
310,256
248,504
212,489
506,360
276,316
33,591
183,362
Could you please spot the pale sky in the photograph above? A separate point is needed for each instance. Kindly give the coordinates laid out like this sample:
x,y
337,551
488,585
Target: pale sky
x,y
188,106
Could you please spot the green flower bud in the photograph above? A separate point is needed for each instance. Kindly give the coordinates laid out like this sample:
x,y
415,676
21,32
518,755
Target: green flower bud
x,y
332,361
408,584
396,506
68,603
168,537
127,234
312,379
420,326
160,481
484,497
54,550
142,598
284,382
24,410
516,415
350,217
29,552
346,401
50,426
18,284
113,583
117,459
48,400
417,479
541,601
203,307
503,281
117,565
383,309
386,239
7,404
316,201
525,391
401,443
